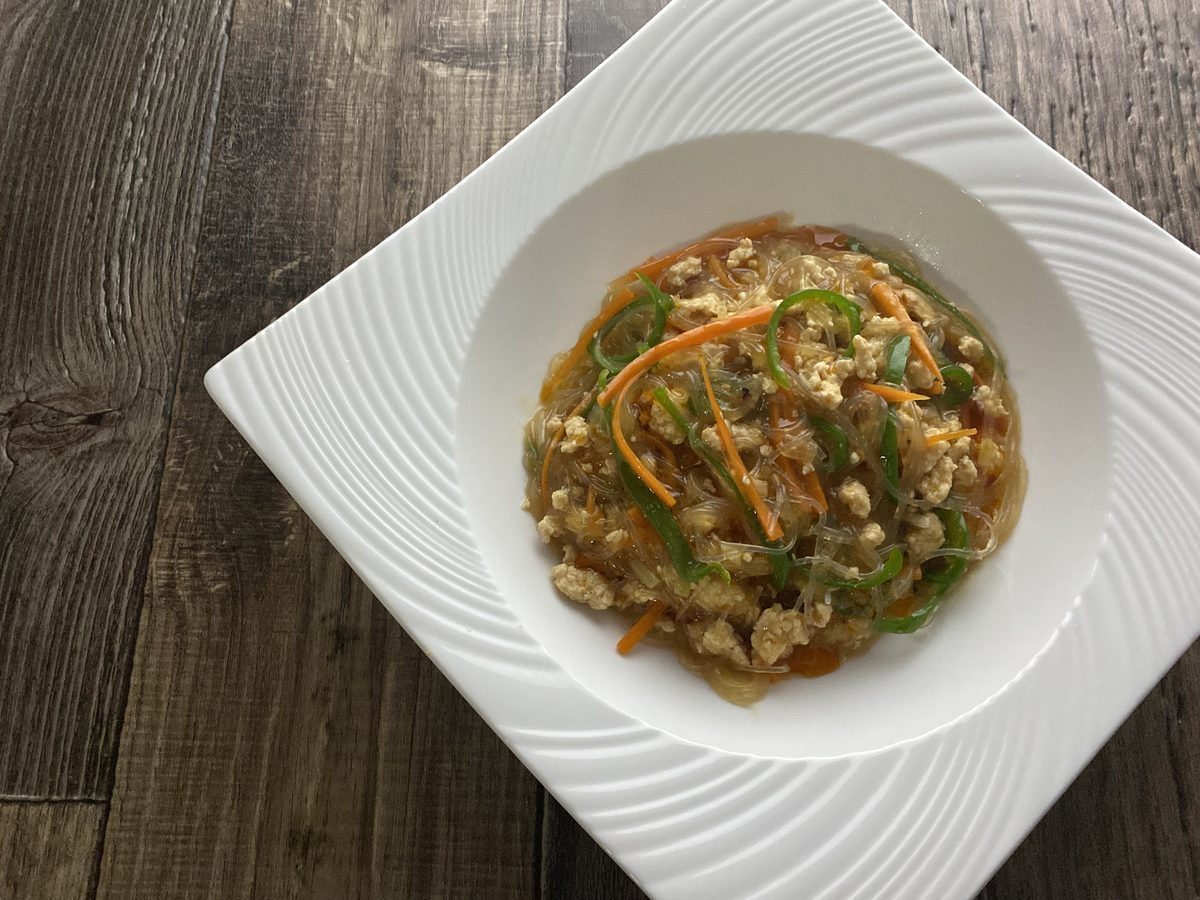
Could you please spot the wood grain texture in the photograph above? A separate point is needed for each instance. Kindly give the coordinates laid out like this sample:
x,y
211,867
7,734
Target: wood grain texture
x,y
283,736
105,123
48,850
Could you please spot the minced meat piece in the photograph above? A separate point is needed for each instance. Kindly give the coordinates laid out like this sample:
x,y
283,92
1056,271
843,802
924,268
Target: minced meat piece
x,y
776,632
741,254
710,304
871,344
825,380
856,497
575,436
989,401
970,347
871,535
989,456
712,594
925,534
687,268
583,586
718,639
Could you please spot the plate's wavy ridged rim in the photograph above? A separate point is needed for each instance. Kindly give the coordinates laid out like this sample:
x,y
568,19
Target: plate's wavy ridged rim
x,y
316,395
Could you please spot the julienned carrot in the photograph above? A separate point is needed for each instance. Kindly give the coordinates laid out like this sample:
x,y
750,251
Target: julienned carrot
x,y
769,523
635,462
948,436
719,272
891,394
618,302
811,485
653,268
544,481
622,293
665,449
641,627
645,533
887,301
759,315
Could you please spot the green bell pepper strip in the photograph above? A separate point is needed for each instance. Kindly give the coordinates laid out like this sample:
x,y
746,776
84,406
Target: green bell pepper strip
x,y
663,522
662,308
662,302
781,565
837,445
958,386
896,359
601,381
889,454
854,245
616,362
835,301
895,362
958,537
886,572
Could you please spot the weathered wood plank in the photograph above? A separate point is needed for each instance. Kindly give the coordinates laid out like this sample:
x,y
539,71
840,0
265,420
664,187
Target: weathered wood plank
x,y
283,737
105,129
48,850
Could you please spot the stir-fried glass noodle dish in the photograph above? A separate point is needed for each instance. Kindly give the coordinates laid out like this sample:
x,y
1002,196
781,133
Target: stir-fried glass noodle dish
x,y
768,448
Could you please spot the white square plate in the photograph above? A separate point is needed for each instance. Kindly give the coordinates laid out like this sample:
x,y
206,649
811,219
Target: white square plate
x,y
390,404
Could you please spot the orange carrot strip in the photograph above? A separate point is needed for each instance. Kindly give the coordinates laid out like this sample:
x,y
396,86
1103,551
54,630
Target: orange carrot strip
x,y
641,627
887,301
618,302
789,338
891,394
759,315
644,532
632,458
948,436
623,295
721,274
667,451
654,267
812,484
591,500
770,524
544,481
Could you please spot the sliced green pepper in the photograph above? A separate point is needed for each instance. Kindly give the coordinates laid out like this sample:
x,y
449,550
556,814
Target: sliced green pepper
x,y
896,359
958,386
889,454
781,565
835,301
662,304
886,572
958,537
616,362
914,280
836,444
663,522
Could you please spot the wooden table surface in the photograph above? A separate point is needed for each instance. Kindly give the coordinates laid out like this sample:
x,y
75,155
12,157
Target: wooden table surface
x,y
197,697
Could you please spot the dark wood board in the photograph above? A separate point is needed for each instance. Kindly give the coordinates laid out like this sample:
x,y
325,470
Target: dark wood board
x,y
105,129
48,849
284,737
